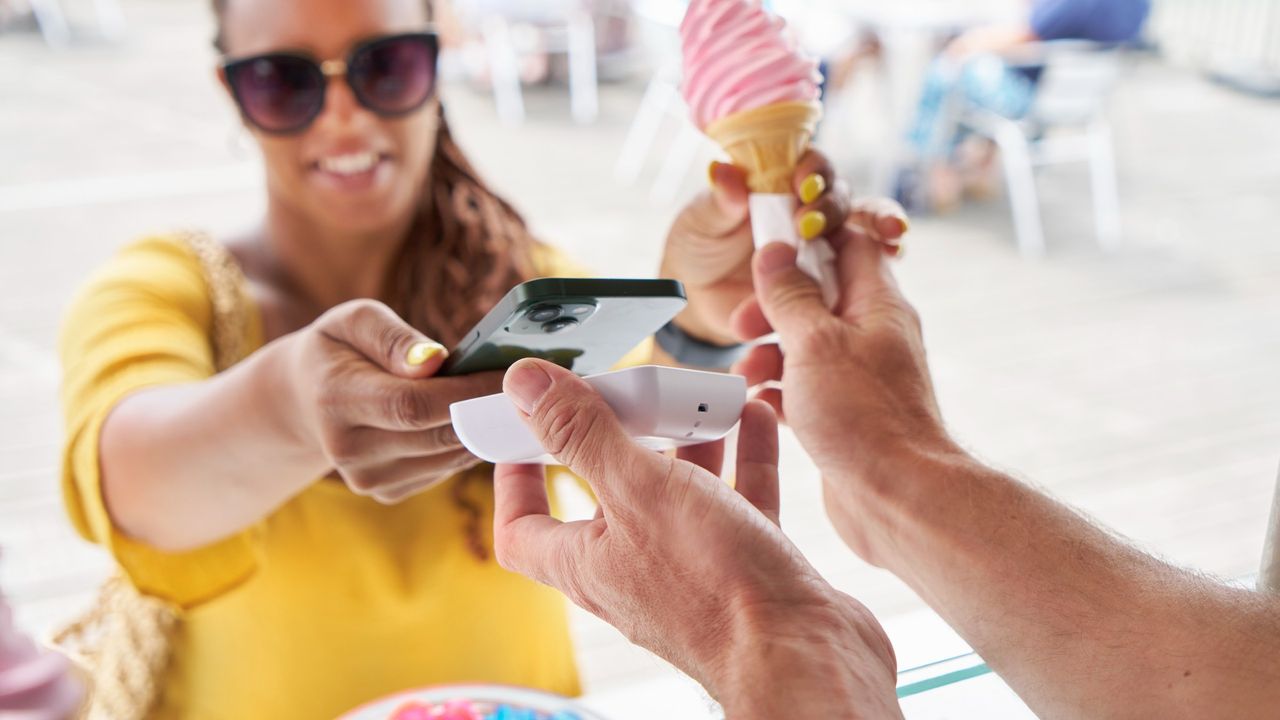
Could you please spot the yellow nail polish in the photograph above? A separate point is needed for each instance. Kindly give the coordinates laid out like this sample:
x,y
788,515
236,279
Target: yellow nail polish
x,y
711,173
421,352
898,251
812,188
906,224
812,224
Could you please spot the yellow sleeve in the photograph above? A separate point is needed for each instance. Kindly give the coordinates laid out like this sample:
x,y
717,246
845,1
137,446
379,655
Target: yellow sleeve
x,y
550,261
142,320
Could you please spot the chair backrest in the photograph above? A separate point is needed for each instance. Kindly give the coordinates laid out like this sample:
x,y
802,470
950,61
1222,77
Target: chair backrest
x,y
1269,573
1075,83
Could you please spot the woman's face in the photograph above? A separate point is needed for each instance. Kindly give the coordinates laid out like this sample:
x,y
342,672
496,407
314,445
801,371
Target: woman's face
x,y
351,170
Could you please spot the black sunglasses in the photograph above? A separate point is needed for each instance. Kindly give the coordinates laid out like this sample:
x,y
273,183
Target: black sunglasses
x,y
283,92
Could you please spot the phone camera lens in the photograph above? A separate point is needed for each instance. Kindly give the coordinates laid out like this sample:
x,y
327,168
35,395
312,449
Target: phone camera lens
x,y
544,313
558,326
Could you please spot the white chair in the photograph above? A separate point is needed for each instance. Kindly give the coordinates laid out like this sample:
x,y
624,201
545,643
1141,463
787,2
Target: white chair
x,y
661,107
55,29
568,28
1076,81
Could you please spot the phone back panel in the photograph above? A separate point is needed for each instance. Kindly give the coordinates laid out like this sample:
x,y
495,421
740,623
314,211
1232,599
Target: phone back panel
x,y
598,323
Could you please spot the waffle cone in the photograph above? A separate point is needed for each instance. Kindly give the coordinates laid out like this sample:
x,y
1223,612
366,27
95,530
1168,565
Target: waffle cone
x,y
767,142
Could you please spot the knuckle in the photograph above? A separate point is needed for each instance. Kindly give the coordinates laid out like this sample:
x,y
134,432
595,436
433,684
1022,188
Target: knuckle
x,y
329,393
443,437
565,424
360,482
387,339
570,582
820,340
352,312
912,315
504,550
341,446
408,408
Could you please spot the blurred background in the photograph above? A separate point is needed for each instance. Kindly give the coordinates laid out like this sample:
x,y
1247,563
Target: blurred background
x,y
1102,307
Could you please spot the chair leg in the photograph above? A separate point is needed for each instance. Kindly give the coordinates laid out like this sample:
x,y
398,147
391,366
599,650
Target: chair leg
x,y
657,102
52,22
1020,179
1106,193
666,187
504,70
583,84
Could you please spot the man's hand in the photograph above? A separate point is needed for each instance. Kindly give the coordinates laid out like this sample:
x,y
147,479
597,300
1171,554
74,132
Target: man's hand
x,y
855,384
685,565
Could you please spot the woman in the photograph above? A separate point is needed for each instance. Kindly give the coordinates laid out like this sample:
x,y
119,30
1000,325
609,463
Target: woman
x,y
309,511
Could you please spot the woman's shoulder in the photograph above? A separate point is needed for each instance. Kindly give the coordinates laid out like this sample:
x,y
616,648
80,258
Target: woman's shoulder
x,y
158,261
159,272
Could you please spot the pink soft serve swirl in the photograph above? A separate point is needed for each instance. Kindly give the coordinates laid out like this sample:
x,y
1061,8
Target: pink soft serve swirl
x,y
738,57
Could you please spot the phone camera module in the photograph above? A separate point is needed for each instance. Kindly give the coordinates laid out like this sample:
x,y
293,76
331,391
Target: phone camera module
x,y
545,313
558,326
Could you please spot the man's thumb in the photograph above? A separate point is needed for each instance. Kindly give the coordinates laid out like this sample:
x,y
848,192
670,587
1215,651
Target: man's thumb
x,y
575,425
790,299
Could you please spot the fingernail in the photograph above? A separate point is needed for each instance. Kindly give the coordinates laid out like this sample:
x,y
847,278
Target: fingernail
x,y
525,384
812,188
897,251
421,352
777,256
812,224
711,174
903,225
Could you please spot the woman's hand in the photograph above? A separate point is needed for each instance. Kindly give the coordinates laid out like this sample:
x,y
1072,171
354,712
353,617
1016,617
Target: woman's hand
x,y
363,389
710,246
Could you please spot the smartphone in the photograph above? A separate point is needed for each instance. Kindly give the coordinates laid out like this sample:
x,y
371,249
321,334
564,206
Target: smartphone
x,y
585,325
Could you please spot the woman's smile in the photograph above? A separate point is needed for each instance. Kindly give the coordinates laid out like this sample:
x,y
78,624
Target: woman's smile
x,y
352,171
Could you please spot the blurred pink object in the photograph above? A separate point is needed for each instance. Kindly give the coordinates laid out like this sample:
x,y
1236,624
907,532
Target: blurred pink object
x,y
35,684
739,57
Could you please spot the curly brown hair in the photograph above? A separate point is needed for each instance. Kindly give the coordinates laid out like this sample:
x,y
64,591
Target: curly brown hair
x,y
465,249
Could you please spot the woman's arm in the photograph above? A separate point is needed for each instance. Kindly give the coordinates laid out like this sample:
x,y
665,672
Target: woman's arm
x,y
186,465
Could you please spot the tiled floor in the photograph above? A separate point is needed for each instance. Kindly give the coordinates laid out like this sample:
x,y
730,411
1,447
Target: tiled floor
x,y
1143,387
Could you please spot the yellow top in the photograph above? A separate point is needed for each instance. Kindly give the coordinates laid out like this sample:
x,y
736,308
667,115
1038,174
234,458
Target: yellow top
x,y
334,599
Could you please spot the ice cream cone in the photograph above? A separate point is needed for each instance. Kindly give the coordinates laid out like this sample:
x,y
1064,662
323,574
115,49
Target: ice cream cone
x,y
767,142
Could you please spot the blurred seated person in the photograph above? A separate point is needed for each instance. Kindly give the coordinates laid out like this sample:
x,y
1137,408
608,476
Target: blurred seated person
x,y
974,70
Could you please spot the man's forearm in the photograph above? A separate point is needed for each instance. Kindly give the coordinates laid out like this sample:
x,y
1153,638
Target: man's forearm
x,y
1077,621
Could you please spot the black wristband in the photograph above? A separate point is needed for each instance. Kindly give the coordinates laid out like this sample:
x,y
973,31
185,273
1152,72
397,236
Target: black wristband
x,y
689,350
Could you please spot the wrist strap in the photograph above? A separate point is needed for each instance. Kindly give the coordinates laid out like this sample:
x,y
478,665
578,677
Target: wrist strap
x,y
689,350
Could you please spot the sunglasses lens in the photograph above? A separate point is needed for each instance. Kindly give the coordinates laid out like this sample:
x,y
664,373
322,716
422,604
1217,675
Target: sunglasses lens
x,y
395,76
278,93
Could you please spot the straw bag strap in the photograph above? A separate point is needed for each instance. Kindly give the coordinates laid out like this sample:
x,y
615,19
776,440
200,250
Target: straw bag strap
x,y
124,641
228,291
